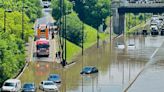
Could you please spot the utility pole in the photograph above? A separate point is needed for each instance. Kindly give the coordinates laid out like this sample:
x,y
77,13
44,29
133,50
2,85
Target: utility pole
x,y
22,35
9,11
4,21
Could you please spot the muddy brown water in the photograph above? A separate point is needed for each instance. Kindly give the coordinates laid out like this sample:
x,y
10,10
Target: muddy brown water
x,y
118,64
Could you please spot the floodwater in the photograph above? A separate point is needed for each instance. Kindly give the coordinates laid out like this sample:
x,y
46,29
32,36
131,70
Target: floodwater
x,y
118,64
152,77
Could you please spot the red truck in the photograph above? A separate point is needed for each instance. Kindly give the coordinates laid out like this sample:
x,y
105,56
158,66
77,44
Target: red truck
x,y
42,47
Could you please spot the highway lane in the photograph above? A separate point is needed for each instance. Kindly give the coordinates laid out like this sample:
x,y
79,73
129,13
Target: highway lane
x,y
152,77
117,65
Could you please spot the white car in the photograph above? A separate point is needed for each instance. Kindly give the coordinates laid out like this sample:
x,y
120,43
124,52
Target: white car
x,y
154,27
48,86
46,4
11,85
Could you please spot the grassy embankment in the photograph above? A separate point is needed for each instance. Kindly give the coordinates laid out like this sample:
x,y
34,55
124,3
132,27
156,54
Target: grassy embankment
x,y
139,27
90,40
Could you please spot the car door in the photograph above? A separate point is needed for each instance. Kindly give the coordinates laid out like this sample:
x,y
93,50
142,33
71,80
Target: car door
x,y
94,70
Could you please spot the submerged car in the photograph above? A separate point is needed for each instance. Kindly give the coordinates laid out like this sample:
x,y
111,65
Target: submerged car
x,y
55,78
29,87
48,86
89,70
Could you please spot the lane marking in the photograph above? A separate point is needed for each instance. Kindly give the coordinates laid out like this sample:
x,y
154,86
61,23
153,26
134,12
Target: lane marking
x,y
146,65
154,53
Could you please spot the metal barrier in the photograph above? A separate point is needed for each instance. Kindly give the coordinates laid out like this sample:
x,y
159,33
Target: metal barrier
x,y
153,5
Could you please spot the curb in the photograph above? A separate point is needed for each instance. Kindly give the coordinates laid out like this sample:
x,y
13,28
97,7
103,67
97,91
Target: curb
x,y
22,71
26,64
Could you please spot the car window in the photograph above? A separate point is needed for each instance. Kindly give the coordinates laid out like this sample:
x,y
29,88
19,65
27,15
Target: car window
x,y
87,69
9,84
28,86
49,83
94,69
54,76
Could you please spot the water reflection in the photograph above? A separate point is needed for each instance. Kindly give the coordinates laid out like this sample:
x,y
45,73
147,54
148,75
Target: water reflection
x,y
117,67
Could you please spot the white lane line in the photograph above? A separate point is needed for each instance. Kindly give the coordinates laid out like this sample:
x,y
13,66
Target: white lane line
x,y
148,63
154,53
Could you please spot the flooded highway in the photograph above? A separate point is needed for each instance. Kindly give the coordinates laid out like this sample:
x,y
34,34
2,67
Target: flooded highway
x,y
118,63
151,78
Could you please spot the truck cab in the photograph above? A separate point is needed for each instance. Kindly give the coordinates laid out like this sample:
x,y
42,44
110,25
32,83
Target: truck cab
x,y
43,31
42,47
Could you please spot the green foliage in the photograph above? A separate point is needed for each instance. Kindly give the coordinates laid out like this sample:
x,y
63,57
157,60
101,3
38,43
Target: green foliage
x,y
67,7
12,56
12,48
32,8
133,20
92,12
74,28
90,40
72,50
14,24
91,36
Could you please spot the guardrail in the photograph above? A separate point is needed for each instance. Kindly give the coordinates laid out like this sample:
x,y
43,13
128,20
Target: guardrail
x,y
153,5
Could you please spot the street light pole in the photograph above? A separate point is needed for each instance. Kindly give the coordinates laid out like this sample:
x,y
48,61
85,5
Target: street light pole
x,y
5,18
83,17
110,23
65,36
22,35
4,21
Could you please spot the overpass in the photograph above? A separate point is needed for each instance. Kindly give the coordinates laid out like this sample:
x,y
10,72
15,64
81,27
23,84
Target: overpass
x,y
119,10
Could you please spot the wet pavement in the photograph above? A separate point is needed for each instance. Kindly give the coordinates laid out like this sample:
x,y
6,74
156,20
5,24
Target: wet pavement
x,y
151,78
119,63
118,66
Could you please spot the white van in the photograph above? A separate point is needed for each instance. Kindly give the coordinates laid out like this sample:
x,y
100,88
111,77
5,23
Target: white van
x,y
12,85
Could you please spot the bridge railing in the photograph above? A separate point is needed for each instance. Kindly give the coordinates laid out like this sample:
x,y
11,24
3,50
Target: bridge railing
x,y
141,5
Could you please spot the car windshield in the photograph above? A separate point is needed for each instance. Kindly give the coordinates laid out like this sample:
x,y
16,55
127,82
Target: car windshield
x,y
42,46
9,84
87,69
48,83
54,76
28,86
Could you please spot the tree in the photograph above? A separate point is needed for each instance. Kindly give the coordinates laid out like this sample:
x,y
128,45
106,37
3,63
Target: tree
x,y
12,56
68,6
92,12
33,9
74,28
12,49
